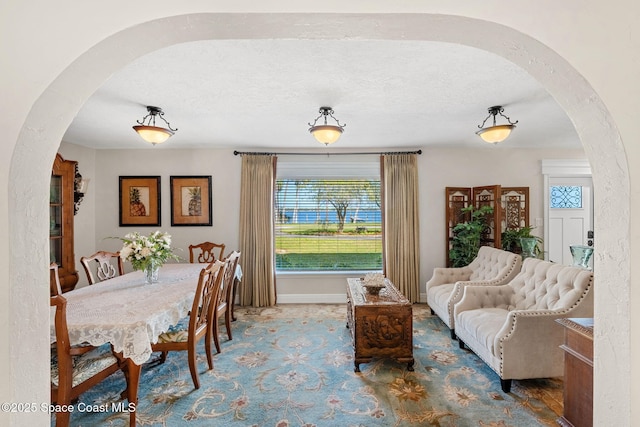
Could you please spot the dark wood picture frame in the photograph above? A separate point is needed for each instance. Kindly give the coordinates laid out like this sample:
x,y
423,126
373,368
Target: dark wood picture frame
x,y
140,201
191,201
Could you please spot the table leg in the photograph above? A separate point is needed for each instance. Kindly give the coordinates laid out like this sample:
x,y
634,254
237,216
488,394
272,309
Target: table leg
x,y
132,394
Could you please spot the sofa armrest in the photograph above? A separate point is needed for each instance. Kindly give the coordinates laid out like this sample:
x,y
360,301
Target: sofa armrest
x,y
529,343
517,320
444,275
458,288
474,297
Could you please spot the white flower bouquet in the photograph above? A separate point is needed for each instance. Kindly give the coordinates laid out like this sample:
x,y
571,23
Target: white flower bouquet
x,y
145,251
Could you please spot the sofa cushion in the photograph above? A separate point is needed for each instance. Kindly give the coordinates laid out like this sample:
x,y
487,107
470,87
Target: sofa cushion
x,y
483,325
441,294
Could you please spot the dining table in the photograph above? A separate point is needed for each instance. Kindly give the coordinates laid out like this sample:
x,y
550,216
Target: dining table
x,y
130,314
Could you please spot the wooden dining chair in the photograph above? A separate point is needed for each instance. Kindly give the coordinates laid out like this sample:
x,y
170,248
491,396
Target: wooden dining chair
x,y
205,252
224,305
187,333
54,280
109,266
76,369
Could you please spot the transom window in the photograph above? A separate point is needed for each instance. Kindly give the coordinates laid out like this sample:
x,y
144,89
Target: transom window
x,y
565,197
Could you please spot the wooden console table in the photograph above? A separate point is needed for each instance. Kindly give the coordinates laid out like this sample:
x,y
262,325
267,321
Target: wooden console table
x,y
381,325
578,372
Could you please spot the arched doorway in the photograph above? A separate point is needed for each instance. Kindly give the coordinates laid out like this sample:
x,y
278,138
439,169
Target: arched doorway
x,y
29,174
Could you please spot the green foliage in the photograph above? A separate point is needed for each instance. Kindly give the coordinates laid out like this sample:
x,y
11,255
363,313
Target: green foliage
x,y
328,261
329,229
511,240
467,236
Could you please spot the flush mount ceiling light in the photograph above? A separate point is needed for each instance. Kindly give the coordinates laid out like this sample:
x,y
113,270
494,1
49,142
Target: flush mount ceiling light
x,y
325,133
148,130
496,133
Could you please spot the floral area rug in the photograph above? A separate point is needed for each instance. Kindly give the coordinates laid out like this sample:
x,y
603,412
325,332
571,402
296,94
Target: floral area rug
x,y
292,365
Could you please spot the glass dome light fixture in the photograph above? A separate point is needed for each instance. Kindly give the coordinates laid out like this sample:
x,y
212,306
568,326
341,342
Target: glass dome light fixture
x,y
326,133
148,130
496,133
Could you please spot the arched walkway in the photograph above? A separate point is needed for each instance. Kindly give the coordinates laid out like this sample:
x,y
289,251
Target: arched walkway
x,y
54,110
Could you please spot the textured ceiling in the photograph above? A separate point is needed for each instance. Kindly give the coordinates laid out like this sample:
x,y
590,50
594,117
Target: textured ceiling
x,y
262,94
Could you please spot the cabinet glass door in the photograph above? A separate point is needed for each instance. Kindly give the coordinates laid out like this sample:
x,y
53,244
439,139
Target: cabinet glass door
x,y
55,219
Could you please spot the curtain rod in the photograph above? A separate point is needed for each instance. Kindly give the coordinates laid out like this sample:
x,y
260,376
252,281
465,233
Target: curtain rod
x,y
236,153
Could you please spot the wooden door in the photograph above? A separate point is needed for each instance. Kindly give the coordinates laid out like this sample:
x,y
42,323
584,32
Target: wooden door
x,y
570,217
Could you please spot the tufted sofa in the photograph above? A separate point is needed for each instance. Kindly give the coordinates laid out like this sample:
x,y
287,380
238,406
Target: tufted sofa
x,y
490,267
512,327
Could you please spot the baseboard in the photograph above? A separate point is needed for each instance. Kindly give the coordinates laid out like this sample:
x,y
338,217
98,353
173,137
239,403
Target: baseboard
x,y
312,298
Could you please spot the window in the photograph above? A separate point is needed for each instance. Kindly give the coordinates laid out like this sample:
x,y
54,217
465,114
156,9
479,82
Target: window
x,y
565,197
328,223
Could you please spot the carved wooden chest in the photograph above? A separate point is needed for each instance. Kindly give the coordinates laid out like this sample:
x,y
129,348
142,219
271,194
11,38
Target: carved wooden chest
x,y
381,325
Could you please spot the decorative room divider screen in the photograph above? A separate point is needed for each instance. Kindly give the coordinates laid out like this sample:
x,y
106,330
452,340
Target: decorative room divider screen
x,y
510,210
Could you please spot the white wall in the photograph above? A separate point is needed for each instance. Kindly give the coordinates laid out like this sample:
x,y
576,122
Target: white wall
x,y
223,167
438,168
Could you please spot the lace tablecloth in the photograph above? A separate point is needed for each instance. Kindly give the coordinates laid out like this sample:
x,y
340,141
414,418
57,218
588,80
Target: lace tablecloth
x,y
128,313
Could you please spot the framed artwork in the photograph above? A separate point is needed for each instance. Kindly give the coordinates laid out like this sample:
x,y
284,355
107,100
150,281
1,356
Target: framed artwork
x,y
139,201
191,200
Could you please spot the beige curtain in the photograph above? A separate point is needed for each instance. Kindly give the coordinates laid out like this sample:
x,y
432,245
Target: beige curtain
x,y
400,223
258,286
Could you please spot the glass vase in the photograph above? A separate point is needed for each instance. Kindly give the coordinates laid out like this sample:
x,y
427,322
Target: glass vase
x,y
528,245
581,255
151,273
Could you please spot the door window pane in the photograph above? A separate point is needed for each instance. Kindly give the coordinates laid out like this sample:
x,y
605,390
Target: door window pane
x,y
565,197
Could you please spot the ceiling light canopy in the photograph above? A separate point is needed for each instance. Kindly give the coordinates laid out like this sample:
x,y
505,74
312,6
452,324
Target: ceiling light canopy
x,y
496,133
326,133
148,130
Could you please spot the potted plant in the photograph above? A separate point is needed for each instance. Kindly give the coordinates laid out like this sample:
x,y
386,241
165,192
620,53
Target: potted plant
x,y
466,236
518,239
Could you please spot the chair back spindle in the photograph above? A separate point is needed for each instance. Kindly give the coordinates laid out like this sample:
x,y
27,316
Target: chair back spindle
x,y
109,265
205,252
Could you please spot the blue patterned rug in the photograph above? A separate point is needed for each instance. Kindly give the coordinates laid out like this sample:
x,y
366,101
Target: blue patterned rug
x,y
292,365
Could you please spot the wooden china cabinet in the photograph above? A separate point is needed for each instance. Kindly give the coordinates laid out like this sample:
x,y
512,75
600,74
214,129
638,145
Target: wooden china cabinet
x,y
61,200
